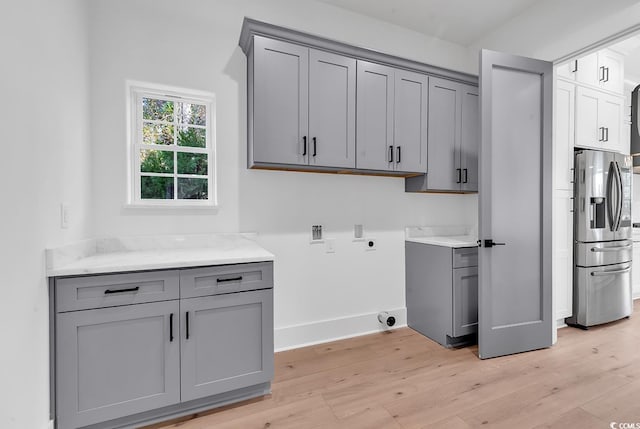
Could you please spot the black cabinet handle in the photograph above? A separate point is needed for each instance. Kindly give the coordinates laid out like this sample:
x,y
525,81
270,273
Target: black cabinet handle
x,y
390,154
466,173
601,77
315,147
459,173
231,279
601,129
606,69
304,146
171,327
606,134
575,66
399,154
187,323
131,289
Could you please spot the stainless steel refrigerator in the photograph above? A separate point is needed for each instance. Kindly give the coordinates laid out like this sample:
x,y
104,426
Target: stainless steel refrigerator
x,y
602,238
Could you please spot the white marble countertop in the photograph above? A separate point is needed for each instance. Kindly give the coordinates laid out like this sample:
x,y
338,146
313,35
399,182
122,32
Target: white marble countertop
x,y
447,236
112,255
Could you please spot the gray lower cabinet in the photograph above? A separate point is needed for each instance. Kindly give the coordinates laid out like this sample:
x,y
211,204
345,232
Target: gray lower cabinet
x,y
116,361
391,119
222,342
453,129
133,348
442,292
301,106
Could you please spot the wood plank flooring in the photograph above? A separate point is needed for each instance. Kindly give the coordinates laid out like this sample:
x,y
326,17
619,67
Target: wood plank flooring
x,y
401,379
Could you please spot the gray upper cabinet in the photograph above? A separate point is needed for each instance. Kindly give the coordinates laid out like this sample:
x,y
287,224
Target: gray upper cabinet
x,y
280,101
375,97
332,110
453,136
410,121
117,361
392,119
227,342
321,105
303,106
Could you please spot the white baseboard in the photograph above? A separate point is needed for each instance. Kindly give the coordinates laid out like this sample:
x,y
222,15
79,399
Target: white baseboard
x,y
308,334
50,425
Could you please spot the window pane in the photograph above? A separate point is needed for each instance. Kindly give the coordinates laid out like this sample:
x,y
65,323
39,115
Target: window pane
x,y
195,114
157,134
156,161
160,110
192,137
192,163
192,189
156,188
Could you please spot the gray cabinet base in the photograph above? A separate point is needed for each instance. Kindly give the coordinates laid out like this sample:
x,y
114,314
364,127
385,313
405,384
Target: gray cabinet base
x,y
185,408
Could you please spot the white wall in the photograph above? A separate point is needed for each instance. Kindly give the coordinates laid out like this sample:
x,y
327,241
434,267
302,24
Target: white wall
x,y
44,161
145,40
551,29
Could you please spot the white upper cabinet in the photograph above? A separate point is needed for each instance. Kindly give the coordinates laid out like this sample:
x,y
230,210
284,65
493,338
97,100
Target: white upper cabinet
x,y
603,69
599,119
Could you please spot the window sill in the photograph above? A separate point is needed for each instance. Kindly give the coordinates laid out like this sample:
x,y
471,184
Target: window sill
x,y
170,209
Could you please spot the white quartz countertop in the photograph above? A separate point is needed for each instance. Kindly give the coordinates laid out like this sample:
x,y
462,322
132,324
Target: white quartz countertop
x,y
447,241
447,236
149,253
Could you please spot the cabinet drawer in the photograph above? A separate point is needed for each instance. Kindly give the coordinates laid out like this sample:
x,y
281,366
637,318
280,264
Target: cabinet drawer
x,y
225,279
465,257
81,293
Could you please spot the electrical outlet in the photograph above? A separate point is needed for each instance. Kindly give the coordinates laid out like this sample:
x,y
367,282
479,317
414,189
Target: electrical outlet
x,y
65,214
330,245
370,244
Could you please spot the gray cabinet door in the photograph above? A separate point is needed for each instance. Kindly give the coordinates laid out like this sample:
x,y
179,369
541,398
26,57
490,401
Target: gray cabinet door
x,y
465,301
114,362
470,138
280,101
443,172
227,342
410,122
375,99
332,110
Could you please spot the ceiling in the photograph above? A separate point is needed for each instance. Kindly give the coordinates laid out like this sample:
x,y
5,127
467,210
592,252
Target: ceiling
x,y
458,21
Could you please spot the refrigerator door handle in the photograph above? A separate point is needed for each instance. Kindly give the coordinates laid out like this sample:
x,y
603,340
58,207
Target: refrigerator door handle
x,y
610,178
620,196
611,272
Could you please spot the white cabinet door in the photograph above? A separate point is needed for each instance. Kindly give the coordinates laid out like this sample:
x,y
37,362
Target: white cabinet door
x,y
564,135
563,253
568,70
610,115
635,270
587,124
611,71
587,72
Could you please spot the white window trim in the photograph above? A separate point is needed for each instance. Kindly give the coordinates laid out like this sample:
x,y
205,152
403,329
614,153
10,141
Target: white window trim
x,y
135,91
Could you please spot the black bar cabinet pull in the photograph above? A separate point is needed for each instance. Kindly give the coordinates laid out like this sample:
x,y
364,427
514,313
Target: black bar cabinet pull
x,y
390,154
304,146
131,289
606,79
601,77
230,279
398,155
466,174
459,173
315,147
575,66
187,323
606,134
171,327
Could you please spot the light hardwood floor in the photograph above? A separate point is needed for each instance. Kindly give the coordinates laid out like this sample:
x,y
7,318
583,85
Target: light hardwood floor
x,y
401,379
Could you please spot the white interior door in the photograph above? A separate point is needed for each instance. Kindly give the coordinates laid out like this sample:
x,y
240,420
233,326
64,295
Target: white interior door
x,y
515,304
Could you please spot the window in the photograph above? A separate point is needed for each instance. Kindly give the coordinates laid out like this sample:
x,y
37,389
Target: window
x,y
172,147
